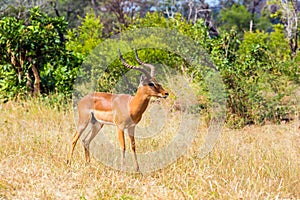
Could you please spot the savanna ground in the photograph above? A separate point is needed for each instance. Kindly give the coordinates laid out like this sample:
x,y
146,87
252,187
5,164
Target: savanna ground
x,y
250,163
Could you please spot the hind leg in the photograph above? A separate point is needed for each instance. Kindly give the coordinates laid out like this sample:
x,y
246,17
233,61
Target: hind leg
x,y
89,137
82,124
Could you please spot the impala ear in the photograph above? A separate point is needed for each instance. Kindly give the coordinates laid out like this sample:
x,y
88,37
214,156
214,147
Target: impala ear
x,y
143,79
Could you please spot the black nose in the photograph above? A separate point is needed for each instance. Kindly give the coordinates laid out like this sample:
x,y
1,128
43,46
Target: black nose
x,y
167,94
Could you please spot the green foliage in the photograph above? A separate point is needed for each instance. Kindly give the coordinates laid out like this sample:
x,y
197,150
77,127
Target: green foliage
x,y
239,18
35,43
263,22
257,76
85,37
236,16
258,71
253,52
198,32
278,44
154,19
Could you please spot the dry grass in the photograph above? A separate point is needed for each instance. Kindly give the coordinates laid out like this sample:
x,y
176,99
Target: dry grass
x,y
252,163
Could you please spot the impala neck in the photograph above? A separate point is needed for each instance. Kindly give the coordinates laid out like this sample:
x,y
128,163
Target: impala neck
x,y
138,104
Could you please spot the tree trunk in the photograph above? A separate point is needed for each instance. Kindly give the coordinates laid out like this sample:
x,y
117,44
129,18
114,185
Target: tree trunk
x,y
290,10
295,42
29,83
14,63
37,80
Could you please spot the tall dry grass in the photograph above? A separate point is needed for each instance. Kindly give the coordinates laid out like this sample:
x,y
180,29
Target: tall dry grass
x,y
251,163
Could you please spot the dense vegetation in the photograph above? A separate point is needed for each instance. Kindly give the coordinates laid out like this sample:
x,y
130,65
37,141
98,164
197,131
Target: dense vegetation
x,y
256,52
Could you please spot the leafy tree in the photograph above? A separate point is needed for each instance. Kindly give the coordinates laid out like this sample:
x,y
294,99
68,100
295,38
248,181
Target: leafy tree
x,y
235,16
72,11
244,18
34,59
287,12
85,37
279,45
258,75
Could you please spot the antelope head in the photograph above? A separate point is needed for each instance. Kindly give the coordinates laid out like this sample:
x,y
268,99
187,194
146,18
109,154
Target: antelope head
x,y
148,83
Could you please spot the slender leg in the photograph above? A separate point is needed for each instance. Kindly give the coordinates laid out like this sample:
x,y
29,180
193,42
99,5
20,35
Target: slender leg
x,y
132,144
89,137
122,147
81,127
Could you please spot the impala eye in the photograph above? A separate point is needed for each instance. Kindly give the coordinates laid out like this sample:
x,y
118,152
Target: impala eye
x,y
151,84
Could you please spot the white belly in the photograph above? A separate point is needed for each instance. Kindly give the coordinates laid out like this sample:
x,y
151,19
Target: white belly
x,y
105,122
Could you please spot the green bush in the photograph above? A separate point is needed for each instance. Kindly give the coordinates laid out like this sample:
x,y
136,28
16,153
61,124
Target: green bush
x,y
259,77
34,58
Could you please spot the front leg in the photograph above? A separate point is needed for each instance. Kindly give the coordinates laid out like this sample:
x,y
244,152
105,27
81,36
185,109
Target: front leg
x,y
122,147
132,144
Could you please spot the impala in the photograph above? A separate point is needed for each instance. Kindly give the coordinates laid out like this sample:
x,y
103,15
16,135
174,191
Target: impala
x,y
122,110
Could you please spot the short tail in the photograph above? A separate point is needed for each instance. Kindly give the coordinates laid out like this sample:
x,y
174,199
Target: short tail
x,y
93,119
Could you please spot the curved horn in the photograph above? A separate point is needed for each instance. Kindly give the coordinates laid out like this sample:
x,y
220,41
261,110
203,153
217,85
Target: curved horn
x,y
133,67
152,68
